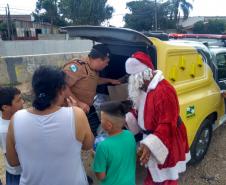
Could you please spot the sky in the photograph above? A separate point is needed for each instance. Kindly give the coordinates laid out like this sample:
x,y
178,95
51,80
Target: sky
x,y
201,8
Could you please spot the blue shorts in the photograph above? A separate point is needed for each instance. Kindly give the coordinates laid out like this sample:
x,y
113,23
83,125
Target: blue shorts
x,y
12,179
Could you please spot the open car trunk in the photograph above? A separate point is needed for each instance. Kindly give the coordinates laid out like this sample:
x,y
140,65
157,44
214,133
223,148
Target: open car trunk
x,y
122,44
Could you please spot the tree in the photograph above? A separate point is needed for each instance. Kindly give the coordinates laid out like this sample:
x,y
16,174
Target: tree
x,y
4,31
199,27
47,11
142,16
176,7
86,12
215,27
211,27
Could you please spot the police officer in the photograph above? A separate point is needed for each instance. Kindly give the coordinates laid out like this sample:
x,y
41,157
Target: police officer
x,y
83,78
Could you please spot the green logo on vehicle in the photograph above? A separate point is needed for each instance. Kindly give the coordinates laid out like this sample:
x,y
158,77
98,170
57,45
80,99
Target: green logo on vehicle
x,y
190,111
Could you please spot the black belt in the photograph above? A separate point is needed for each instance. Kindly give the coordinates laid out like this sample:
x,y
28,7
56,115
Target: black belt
x,y
147,132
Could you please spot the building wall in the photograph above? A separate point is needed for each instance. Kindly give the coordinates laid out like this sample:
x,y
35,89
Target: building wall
x,y
52,36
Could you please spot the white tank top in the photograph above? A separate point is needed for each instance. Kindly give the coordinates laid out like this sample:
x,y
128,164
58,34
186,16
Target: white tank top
x,y
47,148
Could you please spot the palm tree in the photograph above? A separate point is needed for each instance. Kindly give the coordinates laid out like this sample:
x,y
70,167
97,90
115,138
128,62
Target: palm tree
x,y
178,5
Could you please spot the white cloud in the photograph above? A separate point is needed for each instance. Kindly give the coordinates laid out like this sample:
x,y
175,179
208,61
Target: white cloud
x,y
209,8
18,6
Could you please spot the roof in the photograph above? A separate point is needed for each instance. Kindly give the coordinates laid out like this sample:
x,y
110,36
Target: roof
x,y
17,17
190,21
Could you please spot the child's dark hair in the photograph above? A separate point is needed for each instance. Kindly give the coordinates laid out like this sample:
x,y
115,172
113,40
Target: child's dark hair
x,y
7,95
116,108
46,83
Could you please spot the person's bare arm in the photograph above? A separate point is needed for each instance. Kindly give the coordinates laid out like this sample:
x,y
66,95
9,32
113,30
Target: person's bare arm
x,y
83,131
101,176
108,80
11,153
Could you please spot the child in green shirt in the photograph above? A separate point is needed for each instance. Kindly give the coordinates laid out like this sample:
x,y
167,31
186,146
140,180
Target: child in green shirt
x,y
115,158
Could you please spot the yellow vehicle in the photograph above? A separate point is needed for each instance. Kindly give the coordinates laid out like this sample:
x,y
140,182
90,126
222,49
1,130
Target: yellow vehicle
x,y
185,65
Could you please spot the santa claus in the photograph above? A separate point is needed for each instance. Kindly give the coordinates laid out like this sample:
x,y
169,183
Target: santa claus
x,y
164,148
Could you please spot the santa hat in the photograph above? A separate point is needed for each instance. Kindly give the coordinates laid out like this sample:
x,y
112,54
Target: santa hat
x,y
138,63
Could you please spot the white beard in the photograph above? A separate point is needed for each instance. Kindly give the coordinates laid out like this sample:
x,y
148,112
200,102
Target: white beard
x,y
134,90
136,81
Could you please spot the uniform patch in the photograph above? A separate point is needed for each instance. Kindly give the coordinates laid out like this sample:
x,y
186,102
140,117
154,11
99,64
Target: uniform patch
x,y
73,68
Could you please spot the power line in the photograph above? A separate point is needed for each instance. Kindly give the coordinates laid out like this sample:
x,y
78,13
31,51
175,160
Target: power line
x,y
20,9
13,9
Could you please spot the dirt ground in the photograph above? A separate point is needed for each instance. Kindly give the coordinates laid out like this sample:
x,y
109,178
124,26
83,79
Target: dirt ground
x,y
211,171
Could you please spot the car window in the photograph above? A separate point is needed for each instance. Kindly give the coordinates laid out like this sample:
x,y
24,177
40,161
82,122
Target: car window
x,y
221,64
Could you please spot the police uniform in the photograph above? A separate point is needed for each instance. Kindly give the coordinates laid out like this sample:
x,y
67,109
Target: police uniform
x,y
83,83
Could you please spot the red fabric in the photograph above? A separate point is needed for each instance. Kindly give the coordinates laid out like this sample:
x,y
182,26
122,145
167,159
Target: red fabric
x,y
161,113
148,181
143,58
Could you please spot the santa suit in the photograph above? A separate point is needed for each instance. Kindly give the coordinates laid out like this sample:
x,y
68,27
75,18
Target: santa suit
x,y
166,137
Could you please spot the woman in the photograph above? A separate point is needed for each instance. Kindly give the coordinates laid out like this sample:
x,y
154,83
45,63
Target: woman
x,y
46,140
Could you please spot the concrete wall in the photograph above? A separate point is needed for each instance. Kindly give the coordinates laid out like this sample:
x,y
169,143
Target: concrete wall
x,y
19,59
4,76
18,48
19,69
52,36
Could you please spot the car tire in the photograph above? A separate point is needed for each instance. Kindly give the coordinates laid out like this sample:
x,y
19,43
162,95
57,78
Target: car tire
x,y
201,142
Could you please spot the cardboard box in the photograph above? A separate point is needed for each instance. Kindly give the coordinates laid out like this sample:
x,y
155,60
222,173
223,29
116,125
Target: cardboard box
x,y
118,92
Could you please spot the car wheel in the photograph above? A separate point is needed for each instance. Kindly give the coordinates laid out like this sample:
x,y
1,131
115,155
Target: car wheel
x,y
201,143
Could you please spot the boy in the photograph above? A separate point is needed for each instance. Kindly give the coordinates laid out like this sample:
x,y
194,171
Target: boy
x,y
10,102
115,158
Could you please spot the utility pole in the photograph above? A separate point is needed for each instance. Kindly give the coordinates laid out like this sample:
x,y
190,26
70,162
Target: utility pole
x,y
7,23
10,23
156,18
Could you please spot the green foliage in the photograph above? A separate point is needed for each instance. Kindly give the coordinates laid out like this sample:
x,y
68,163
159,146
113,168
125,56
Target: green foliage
x,y
177,5
215,26
79,12
51,12
4,31
86,12
212,27
199,27
142,16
